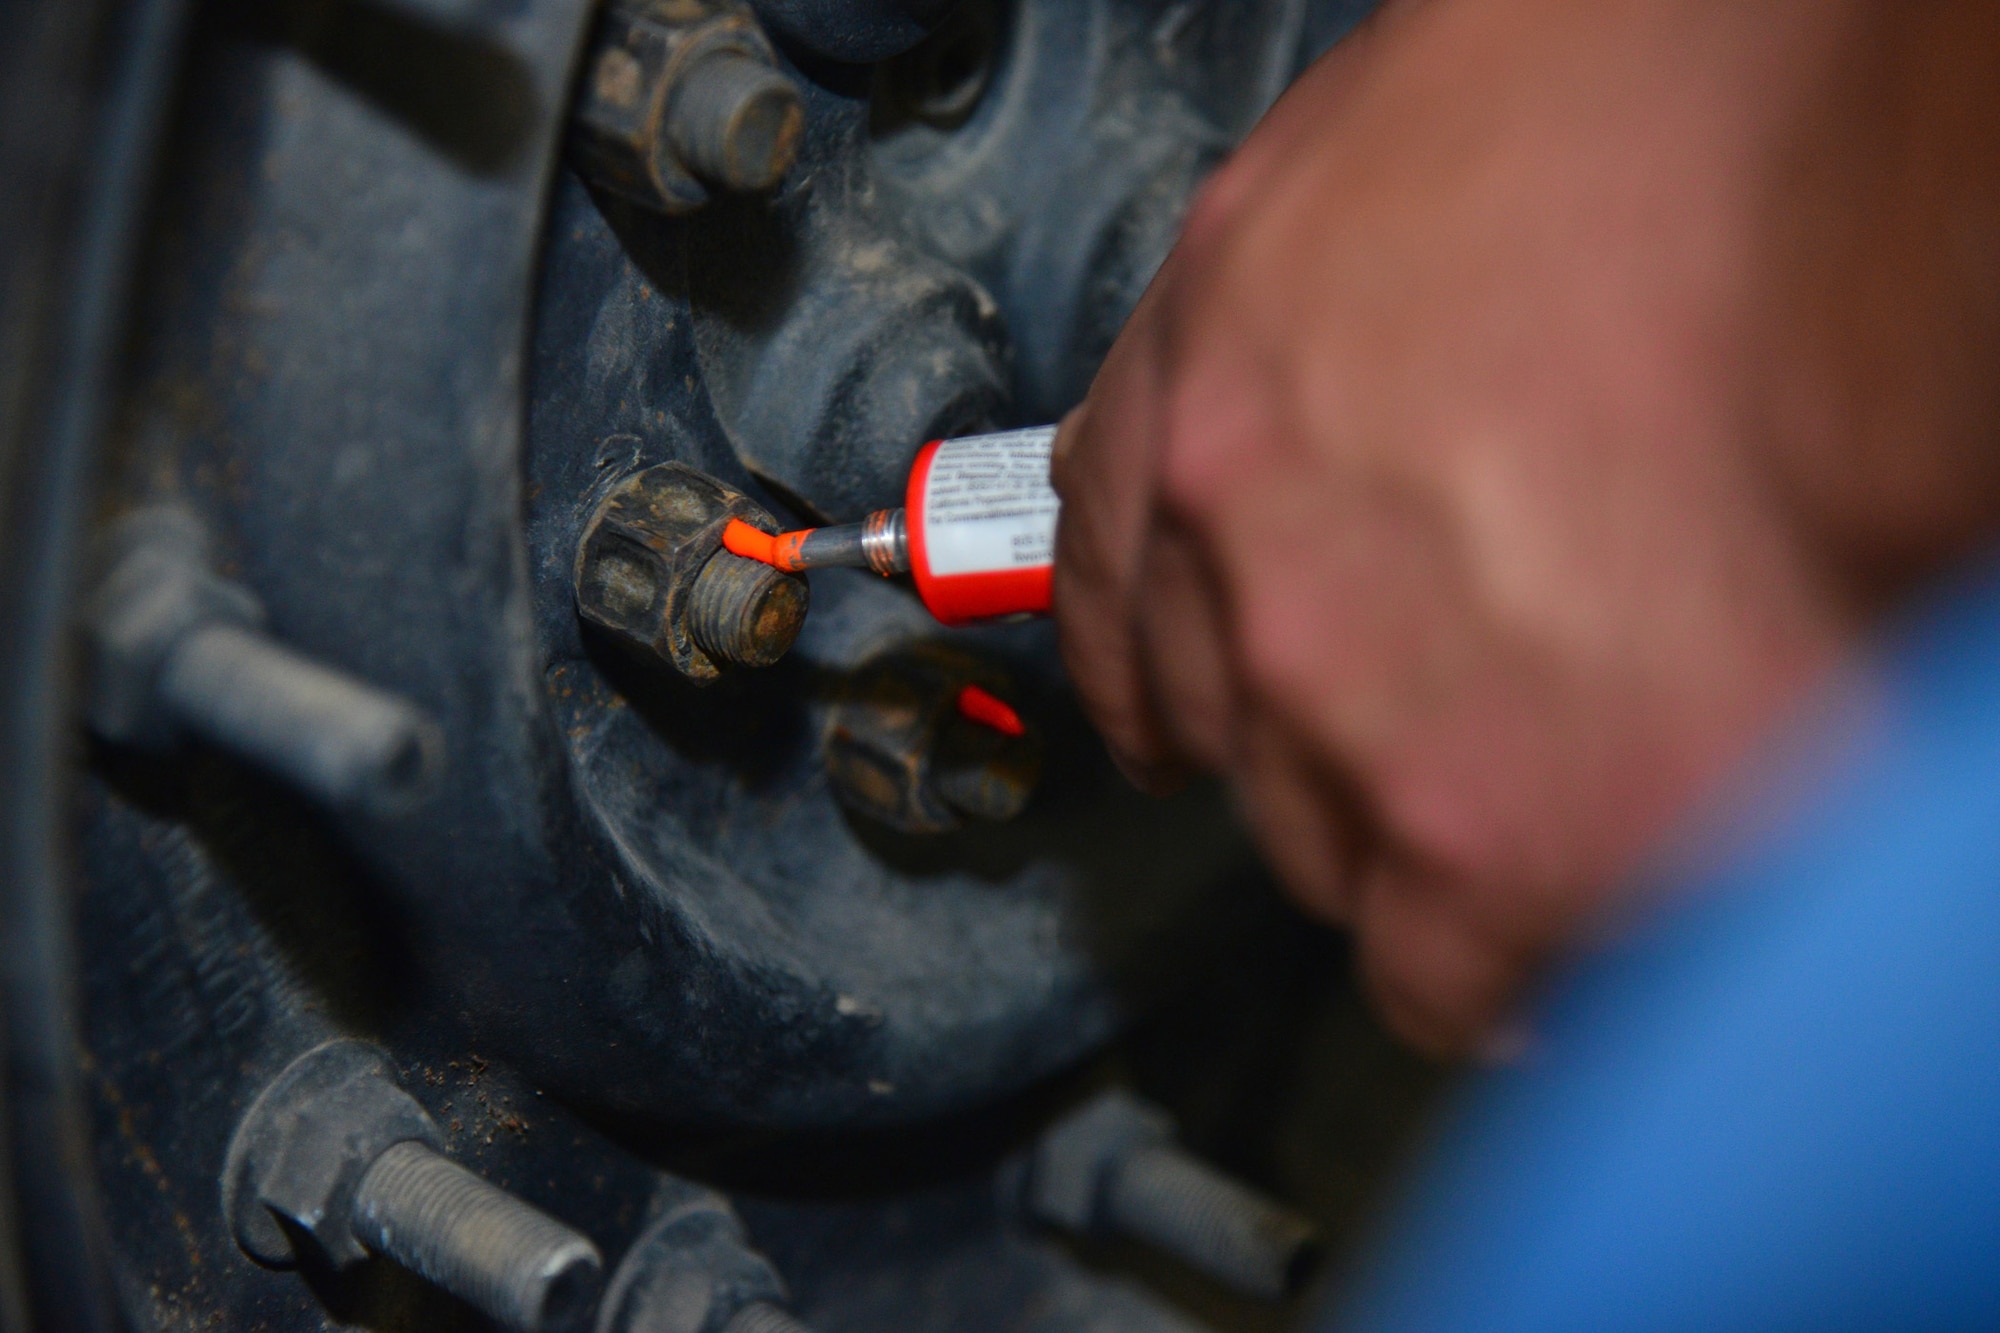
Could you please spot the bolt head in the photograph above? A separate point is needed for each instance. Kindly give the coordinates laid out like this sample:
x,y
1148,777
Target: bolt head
x,y
682,97
156,589
651,572
898,751
300,1151
689,1271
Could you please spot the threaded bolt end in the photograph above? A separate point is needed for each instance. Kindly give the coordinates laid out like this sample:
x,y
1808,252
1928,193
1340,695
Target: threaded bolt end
x,y
475,1240
337,739
745,612
763,1317
1161,1195
735,121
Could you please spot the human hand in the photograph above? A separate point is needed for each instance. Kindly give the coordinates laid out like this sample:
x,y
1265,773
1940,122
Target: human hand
x,y
1534,407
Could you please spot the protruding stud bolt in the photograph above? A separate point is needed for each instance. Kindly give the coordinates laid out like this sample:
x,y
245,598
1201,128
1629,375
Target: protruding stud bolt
x,y
180,651
683,98
744,612
1113,1167
735,122
650,570
1165,1196
475,1240
335,1156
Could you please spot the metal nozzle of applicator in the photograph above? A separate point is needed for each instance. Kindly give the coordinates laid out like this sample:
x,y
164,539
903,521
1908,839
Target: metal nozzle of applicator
x,y
880,542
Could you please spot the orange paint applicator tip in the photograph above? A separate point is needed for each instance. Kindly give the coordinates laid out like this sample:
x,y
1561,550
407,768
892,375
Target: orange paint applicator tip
x,y
780,551
739,538
988,710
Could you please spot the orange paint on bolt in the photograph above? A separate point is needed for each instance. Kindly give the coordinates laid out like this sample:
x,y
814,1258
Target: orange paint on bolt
x,y
981,706
780,551
739,538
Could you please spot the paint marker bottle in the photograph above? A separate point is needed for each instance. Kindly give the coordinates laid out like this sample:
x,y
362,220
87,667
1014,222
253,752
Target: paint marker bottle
x,y
976,532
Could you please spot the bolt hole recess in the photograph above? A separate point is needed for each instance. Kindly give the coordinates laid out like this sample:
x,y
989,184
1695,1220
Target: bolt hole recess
x,y
941,81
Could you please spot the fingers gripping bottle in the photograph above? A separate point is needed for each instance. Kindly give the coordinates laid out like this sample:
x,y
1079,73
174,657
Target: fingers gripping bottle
x,y
976,532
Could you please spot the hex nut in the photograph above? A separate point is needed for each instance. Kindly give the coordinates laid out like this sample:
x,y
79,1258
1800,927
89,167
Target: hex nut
x,y
301,1150
898,751
680,98
691,1270
646,572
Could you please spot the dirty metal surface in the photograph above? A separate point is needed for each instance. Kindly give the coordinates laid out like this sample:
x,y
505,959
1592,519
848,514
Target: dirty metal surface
x,y
394,354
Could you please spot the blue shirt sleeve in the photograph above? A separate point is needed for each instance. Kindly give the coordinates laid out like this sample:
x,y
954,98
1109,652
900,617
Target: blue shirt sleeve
x,y
1778,1106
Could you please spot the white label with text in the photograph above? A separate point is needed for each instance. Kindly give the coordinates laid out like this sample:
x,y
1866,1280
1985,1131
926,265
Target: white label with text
x,y
988,506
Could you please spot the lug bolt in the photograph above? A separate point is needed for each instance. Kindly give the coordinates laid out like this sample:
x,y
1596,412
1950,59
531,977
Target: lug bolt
x,y
735,122
343,742
691,1270
335,1156
683,98
743,612
180,651
900,749
475,1240
1113,1166
651,571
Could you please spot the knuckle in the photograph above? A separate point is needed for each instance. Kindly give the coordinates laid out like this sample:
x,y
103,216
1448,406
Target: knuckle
x,y
1193,473
1088,569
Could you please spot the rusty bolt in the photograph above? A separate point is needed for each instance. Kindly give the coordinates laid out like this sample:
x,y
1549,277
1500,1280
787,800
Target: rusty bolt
x,y
735,121
682,98
745,612
899,751
651,570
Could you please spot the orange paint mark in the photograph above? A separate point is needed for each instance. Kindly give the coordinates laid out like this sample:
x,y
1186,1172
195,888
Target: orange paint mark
x,y
780,551
739,538
981,706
